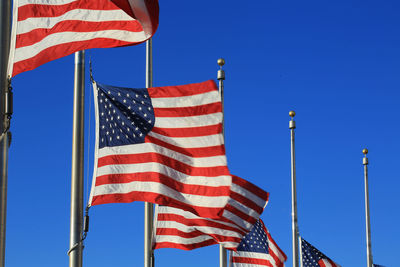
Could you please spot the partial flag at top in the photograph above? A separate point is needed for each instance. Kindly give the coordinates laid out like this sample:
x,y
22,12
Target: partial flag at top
x,y
162,145
44,30
312,257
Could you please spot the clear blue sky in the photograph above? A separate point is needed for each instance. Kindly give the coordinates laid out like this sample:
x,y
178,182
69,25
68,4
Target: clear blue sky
x,y
336,63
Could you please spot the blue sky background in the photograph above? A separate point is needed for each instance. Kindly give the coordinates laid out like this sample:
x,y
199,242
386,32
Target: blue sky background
x,y
336,63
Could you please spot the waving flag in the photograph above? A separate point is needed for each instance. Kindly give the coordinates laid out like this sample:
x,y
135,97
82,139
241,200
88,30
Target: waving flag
x,y
176,228
162,145
45,30
258,248
312,257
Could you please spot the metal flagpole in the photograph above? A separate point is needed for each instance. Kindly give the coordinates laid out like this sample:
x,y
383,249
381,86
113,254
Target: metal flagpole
x,y
295,231
367,221
5,115
76,220
221,78
148,207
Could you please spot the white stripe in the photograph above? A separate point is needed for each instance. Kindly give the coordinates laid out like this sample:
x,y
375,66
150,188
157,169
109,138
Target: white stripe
x,y
154,187
327,263
191,142
274,248
153,148
96,145
188,122
223,180
82,15
45,2
204,229
190,216
236,219
253,255
186,101
67,37
248,194
182,240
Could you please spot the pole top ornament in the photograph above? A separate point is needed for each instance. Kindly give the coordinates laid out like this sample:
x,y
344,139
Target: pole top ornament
x,y
292,113
221,62
365,151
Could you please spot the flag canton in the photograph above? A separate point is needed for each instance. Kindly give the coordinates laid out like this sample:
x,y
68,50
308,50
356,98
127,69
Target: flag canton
x,y
255,241
311,255
125,115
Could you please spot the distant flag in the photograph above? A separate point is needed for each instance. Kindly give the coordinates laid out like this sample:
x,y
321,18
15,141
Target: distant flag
x,y
45,30
162,145
176,228
312,257
377,265
258,248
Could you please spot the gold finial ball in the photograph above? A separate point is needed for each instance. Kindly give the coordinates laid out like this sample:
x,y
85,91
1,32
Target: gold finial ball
x,y
365,151
292,113
221,62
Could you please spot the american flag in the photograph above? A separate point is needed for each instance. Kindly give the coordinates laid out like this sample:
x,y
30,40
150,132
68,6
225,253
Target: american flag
x,y
180,229
162,145
258,248
45,30
312,257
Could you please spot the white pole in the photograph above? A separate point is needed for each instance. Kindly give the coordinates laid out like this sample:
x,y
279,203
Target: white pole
x,y
76,220
295,231
148,207
221,78
367,220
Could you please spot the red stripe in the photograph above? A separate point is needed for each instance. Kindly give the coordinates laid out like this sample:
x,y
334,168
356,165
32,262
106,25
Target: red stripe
x,y
37,35
157,198
188,111
196,222
199,190
252,261
37,11
183,90
250,187
185,246
62,50
321,263
192,152
176,232
189,132
162,159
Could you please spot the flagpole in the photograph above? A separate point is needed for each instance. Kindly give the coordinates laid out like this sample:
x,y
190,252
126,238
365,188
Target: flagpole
x,y
76,219
367,220
295,231
221,78
300,252
148,207
5,28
